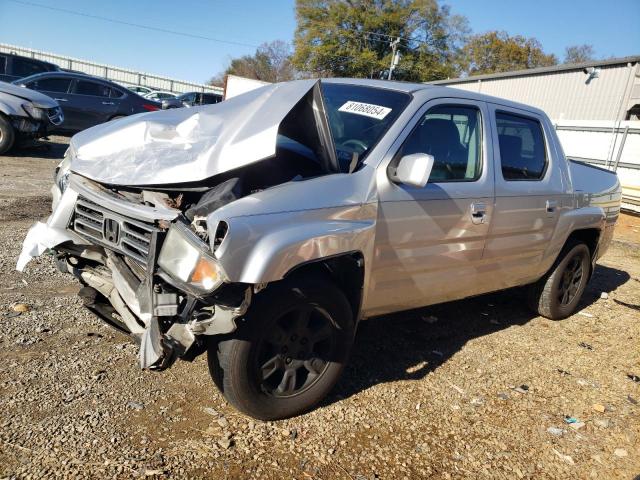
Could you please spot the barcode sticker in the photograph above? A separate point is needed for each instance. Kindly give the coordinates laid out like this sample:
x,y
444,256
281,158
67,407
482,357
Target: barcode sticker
x,y
366,109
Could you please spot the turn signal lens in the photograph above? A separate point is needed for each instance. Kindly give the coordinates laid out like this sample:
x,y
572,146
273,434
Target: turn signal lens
x,y
205,274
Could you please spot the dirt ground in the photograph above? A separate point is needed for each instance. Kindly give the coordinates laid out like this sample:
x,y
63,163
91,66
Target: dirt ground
x,y
479,388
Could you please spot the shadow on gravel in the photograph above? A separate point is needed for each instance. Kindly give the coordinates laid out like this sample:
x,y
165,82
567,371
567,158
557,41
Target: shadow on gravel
x,y
409,345
45,149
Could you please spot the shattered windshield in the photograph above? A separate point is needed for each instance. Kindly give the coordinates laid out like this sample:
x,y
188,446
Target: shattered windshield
x,y
359,117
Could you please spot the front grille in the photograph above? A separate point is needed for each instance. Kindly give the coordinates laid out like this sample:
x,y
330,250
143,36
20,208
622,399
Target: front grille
x,y
56,117
114,231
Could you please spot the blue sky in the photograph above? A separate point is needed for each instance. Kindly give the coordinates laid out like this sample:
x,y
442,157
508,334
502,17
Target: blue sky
x,y
611,28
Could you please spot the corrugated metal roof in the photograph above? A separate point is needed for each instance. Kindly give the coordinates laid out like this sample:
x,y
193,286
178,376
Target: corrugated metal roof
x,y
542,70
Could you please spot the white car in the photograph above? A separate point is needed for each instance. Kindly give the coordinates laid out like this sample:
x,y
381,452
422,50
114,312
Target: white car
x,y
140,90
159,95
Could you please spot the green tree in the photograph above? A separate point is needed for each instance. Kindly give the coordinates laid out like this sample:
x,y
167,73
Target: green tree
x,y
352,38
270,63
499,52
579,54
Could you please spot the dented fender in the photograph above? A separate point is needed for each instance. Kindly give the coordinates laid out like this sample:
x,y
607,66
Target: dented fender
x,y
263,248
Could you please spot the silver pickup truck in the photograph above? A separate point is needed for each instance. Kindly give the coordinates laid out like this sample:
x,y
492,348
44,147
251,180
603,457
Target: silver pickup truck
x,y
262,229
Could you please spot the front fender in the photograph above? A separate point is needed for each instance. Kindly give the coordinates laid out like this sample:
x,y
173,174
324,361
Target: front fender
x,y
11,109
263,248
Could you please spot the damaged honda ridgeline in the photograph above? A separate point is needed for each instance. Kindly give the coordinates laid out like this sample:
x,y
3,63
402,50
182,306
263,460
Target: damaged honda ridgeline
x,y
262,228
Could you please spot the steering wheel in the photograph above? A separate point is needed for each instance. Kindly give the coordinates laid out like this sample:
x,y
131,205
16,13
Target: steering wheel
x,y
355,145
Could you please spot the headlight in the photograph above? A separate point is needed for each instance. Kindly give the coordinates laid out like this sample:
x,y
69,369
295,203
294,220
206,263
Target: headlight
x,y
34,112
61,176
186,258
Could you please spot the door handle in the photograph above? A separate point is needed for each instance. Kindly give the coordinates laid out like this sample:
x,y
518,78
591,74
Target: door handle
x,y
61,100
551,206
478,212
107,103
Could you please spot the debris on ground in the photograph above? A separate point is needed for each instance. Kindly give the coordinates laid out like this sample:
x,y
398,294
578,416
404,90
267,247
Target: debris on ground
x,y
21,307
521,389
620,452
598,407
585,345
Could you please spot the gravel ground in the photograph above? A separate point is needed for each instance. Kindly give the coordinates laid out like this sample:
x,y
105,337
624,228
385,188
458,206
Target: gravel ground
x,y
471,389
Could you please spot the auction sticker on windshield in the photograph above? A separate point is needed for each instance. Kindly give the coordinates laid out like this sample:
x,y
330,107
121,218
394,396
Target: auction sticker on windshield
x,y
366,109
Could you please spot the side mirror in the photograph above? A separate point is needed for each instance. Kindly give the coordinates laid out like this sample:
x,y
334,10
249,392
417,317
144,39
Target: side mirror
x,y
413,169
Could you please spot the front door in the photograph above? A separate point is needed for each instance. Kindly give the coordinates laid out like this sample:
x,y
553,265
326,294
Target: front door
x,y
430,241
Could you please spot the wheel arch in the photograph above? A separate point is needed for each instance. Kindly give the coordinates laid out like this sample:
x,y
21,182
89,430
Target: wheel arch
x,y
591,238
346,270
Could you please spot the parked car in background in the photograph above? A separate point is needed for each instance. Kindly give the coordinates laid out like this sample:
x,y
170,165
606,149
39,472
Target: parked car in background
x,y
13,67
25,114
264,228
140,90
159,95
87,101
191,99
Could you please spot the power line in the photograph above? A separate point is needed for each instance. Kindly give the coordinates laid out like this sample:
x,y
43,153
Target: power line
x,y
131,24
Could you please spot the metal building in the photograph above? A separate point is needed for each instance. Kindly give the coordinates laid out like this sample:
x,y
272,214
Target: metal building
x,y
605,90
595,107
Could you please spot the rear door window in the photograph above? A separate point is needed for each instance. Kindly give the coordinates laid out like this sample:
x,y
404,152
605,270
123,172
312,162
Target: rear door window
x,y
52,84
23,67
522,147
95,89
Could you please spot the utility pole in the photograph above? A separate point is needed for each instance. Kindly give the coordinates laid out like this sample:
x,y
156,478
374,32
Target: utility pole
x,y
395,56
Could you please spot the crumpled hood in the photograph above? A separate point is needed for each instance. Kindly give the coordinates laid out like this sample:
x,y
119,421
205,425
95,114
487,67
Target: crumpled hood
x,y
38,99
186,144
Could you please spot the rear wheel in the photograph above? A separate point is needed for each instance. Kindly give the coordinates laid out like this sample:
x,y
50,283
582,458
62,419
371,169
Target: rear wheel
x,y
289,351
7,135
557,294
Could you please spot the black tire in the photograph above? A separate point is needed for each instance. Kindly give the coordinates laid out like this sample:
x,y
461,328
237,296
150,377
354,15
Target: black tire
x,y
288,352
557,294
7,135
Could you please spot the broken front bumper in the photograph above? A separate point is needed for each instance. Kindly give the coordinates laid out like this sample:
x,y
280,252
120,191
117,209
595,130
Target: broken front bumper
x,y
111,246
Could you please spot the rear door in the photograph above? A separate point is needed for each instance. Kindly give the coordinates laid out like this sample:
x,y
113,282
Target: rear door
x,y
529,196
430,241
90,103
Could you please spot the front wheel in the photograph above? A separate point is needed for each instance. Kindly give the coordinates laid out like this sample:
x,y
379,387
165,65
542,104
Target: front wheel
x,y
288,352
7,135
557,294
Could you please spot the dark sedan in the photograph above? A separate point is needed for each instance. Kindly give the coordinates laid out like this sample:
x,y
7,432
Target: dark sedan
x,y
191,99
85,100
